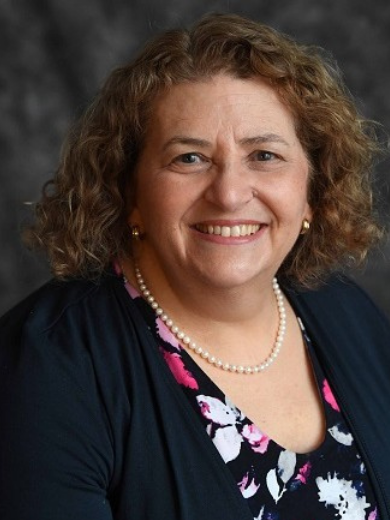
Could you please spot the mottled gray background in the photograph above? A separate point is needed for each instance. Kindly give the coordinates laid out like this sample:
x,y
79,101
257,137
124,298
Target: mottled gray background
x,y
56,53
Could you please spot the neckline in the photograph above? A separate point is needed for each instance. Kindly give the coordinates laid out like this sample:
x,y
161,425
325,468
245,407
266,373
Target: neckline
x,y
148,315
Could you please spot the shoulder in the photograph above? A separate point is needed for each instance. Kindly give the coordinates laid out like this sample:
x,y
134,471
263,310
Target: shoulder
x,y
70,337
60,302
61,377
341,312
337,294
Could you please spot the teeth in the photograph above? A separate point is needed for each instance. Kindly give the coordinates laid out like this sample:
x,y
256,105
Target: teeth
x,y
229,231
235,231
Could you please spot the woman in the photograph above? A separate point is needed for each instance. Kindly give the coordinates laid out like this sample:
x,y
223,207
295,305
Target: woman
x,y
193,357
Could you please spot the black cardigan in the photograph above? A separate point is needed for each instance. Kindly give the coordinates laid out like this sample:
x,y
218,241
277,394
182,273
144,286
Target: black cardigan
x,y
93,425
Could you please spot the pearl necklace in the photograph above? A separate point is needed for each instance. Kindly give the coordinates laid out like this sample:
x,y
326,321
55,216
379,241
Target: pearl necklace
x,y
213,360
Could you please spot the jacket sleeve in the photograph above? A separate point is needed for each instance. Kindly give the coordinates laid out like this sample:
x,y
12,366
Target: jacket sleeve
x,y
56,454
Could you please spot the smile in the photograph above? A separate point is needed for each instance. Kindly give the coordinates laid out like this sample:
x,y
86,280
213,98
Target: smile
x,y
242,230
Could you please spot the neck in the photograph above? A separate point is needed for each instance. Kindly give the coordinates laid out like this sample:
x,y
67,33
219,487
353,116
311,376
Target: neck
x,y
219,320
253,301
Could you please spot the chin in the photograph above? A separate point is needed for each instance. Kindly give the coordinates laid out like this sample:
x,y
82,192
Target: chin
x,y
230,277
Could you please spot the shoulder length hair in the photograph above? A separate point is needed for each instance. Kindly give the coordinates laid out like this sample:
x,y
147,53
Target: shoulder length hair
x,y
81,220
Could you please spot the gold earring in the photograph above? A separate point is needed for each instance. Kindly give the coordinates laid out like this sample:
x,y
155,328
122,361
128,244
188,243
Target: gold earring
x,y
305,226
135,232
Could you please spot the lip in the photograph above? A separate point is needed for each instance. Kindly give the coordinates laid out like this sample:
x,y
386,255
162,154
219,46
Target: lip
x,y
230,223
229,232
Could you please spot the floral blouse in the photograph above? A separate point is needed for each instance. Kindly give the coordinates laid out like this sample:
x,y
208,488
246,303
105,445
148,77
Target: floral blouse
x,y
328,483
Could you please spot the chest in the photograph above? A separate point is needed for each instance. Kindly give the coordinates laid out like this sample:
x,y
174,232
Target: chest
x,y
284,401
286,406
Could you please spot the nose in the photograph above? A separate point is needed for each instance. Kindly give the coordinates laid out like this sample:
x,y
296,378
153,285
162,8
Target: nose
x,y
230,187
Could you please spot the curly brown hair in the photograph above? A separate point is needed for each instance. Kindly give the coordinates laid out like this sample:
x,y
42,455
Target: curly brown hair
x,y
81,220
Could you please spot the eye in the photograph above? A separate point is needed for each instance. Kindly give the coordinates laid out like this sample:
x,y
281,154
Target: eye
x,y
188,158
190,162
264,155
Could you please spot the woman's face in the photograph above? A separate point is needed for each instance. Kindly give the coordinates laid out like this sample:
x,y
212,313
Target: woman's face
x,y
221,184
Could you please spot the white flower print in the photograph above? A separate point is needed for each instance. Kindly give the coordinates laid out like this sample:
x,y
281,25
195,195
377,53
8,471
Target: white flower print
x,y
248,488
286,465
226,429
341,494
216,411
228,442
276,490
341,437
240,416
224,418
277,478
260,515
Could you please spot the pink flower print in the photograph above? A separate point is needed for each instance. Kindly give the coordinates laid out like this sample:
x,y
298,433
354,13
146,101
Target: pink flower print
x,y
304,473
133,292
329,397
257,440
166,334
129,288
117,267
373,515
248,489
182,376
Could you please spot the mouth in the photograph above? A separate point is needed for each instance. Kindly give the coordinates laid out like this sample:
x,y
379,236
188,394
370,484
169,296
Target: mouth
x,y
242,230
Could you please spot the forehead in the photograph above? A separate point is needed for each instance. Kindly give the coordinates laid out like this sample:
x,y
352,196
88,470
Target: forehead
x,y
221,102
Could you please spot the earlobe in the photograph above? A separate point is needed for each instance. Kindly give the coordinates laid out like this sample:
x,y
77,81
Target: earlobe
x,y
134,222
305,226
133,217
135,232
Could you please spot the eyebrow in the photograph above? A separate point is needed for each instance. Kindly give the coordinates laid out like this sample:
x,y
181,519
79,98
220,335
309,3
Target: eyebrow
x,y
262,139
182,139
203,143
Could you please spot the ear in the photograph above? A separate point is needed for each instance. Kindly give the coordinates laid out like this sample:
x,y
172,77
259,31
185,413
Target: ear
x,y
309,213
134,217
131,198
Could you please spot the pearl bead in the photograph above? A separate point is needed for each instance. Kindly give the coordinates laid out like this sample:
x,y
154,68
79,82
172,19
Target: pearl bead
x,y
218,363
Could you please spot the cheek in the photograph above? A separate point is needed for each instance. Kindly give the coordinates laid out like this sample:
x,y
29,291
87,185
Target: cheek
x,y
156,212
291,205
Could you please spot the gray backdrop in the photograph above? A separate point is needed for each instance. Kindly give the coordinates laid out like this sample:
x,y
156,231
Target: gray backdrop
x,y
56,53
